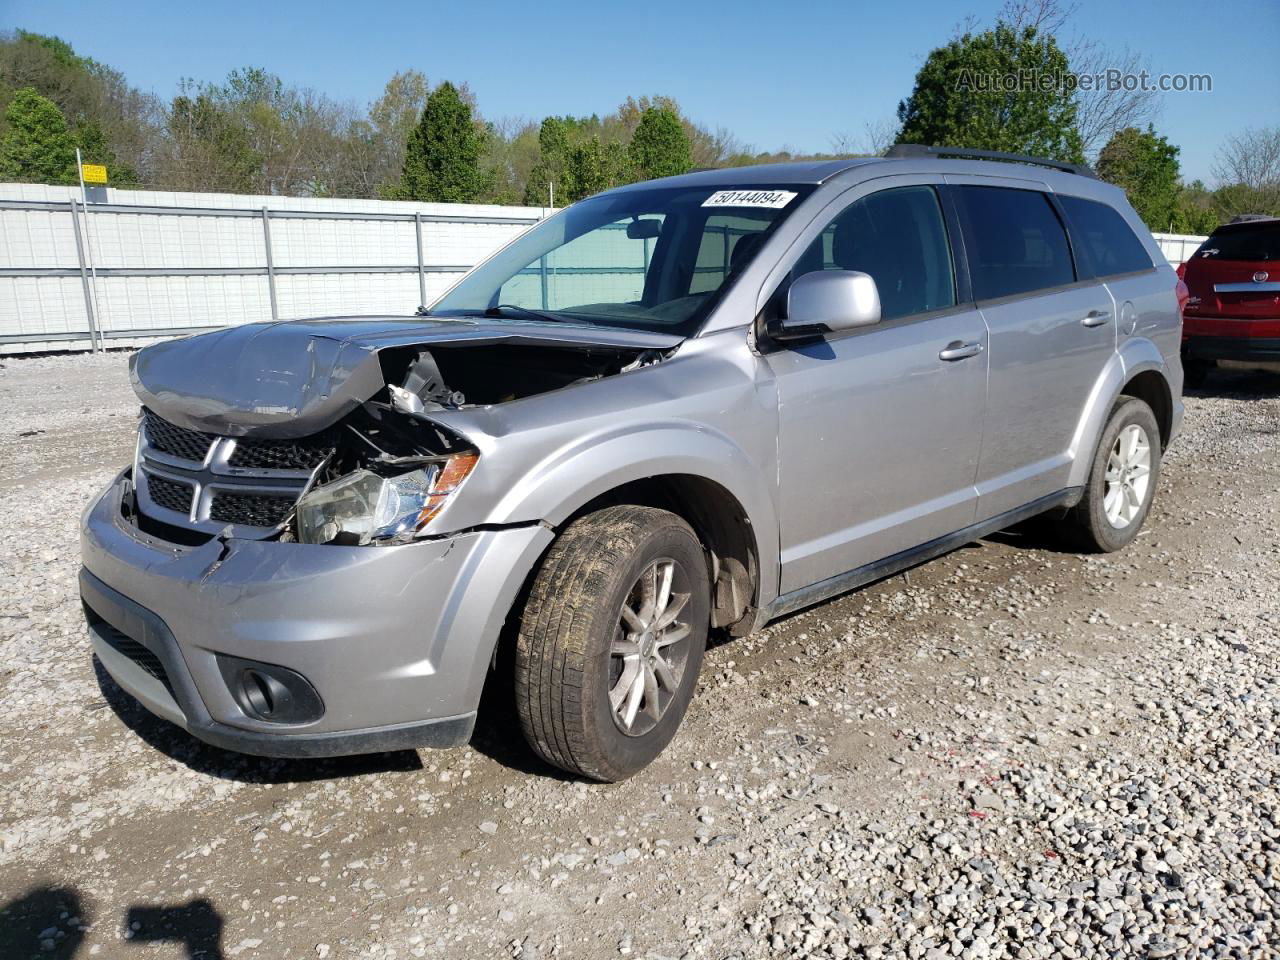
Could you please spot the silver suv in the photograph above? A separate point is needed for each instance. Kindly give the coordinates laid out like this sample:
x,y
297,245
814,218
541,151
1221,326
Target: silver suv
x,y
687,405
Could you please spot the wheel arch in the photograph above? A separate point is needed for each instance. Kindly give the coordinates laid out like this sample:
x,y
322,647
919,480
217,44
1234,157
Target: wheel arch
x,y
1137,369
1151,387
724,528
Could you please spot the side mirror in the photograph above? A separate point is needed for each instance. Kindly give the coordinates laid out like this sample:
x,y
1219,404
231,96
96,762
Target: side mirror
x,y
827,301
647,229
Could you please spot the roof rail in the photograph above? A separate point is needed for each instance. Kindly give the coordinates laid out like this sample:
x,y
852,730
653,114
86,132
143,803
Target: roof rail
x,y
920,150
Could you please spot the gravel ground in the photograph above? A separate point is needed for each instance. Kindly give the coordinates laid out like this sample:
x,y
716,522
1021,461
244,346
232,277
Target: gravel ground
x,y
1009,752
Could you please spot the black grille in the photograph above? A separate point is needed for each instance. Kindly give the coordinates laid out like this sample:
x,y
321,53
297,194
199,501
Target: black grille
x,y
278,454
176,441
257,510
135,651
169,494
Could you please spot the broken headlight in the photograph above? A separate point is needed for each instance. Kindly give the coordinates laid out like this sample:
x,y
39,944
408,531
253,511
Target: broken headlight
x,y
363,507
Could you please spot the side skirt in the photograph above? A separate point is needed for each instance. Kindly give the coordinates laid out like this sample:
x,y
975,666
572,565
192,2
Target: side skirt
x,y
878,570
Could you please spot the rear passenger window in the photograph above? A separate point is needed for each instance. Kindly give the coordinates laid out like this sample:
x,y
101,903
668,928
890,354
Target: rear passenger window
x,y
1014,241
897,236
1107,240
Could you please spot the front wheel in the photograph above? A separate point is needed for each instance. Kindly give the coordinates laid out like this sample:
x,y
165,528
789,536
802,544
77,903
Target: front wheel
x,y
611,640
1122,480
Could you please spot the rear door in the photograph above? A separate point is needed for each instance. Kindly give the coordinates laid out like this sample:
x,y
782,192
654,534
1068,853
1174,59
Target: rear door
x,y
1051,332
879,427
1108,248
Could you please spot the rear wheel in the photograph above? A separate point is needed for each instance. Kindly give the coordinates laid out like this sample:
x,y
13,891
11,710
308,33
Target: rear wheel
x,y
611,640
1122,480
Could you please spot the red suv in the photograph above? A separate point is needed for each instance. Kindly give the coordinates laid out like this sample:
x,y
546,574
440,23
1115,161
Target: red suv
x,y
1234,308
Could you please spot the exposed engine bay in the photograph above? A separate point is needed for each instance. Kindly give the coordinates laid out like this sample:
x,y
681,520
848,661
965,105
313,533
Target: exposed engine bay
x,y
456,377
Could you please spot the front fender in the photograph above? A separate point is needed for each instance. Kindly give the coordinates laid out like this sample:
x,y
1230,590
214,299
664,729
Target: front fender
x,y
1134,356
568,478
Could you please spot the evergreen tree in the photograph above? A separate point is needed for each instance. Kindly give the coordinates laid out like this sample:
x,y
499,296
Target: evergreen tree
x,y
442,158
660,147
553,158
1145,165
593,167
962,96
36,147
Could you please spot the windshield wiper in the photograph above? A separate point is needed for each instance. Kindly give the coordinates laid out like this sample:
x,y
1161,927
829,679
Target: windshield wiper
x,y
525,312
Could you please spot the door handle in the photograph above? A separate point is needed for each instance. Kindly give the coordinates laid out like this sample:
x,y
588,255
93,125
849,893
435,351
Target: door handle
x,y
1096,318
958,350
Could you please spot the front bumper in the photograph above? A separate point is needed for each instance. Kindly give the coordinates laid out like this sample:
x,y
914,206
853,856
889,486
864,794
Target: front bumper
x,y
397,641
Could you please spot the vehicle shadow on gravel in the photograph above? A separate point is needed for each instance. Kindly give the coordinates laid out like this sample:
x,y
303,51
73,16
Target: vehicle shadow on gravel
x,y
1238,384
51,922
211,761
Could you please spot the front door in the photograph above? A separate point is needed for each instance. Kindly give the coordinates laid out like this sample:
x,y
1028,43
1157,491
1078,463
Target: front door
x,y
880,427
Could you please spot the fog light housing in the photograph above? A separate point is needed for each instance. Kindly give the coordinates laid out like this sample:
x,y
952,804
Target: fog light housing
x,y
264,691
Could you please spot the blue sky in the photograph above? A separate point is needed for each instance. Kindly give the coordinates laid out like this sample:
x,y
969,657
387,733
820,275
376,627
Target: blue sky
x,y
776,74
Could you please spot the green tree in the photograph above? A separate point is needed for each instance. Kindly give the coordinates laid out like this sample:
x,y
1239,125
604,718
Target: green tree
x,y
593,167
36,147
585,173
207,148
377,143
1145,165
112,122
962,96
1233,199
553,158
660,147
442,157
1195,212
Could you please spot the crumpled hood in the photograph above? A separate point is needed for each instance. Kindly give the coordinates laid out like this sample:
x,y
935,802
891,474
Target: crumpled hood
x,y
294,378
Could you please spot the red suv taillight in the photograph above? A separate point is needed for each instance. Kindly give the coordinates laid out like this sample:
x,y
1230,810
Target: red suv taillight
x,y
1183,293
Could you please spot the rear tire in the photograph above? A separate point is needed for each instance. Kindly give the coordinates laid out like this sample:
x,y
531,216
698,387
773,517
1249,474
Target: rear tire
x,y
1122,481
611,640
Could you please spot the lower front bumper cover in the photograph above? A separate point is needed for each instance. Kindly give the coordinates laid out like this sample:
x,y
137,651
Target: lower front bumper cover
x,y
396,641
113,616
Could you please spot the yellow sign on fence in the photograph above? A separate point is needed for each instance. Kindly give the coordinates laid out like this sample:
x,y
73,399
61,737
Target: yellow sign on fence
x,y
93,173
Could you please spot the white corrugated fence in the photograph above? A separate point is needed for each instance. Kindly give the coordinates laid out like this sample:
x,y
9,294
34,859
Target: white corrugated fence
x,y
171,263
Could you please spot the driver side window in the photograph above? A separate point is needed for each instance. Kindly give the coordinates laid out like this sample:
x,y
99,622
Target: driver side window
x,y
897,236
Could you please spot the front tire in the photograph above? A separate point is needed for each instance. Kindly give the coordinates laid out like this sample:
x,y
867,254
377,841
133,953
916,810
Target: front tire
x,y
611,640
1122,480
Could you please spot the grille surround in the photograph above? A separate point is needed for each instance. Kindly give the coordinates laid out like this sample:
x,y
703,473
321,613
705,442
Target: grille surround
x,y
202,481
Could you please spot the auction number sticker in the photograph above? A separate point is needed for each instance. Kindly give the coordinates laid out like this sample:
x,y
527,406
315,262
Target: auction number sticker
x,y
772,199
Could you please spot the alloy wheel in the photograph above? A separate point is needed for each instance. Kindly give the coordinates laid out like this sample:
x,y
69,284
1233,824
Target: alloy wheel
x,y
649,650
1128,476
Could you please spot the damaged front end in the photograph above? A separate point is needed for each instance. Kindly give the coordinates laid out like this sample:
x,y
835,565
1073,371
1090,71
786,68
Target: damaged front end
x,y
339,447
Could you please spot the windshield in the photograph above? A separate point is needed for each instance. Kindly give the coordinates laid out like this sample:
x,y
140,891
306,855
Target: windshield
x,y
652,259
